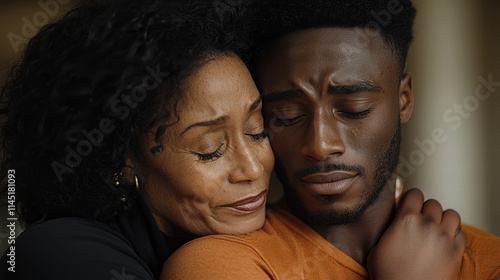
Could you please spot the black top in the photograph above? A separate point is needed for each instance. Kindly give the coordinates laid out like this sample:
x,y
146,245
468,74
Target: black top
x,y
132,247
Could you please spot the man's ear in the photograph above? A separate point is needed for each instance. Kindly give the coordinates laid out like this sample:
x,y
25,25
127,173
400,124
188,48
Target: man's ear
x,y
405,97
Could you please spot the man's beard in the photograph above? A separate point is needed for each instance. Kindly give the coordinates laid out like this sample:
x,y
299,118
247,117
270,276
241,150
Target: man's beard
x,y
387,162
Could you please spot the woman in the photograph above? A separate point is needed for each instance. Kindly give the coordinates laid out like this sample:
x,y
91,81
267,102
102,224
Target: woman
x,y
132,127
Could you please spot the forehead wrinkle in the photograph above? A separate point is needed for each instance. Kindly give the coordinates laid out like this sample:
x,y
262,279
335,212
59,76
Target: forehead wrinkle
x,y
314,62
201,113
304,84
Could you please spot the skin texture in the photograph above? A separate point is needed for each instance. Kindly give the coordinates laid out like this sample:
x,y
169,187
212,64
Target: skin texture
x,y
334,111
214,156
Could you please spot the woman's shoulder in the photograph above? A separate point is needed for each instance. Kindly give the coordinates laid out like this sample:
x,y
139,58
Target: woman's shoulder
x,y
65,229
74,248
70,230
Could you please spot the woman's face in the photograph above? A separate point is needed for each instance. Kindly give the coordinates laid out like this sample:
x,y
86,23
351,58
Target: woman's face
x,y
213,173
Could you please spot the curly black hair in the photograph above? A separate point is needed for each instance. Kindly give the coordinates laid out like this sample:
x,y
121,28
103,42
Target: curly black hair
x,y
85,90
392,18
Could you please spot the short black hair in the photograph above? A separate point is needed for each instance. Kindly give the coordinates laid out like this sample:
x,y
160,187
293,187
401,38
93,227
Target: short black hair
x,y
393,19
87,88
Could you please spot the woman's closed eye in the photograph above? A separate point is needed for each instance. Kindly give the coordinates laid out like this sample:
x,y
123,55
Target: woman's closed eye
x,y
259,136
211,156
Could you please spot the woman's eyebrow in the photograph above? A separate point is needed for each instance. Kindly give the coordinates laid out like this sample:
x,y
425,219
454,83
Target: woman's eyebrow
x,y
217,121
222,119
255,104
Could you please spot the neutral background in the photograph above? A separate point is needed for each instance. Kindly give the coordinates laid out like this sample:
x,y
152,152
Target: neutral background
x,y
457,45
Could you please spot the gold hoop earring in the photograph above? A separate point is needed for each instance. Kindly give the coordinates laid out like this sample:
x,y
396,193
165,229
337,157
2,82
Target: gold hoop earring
x,y
136,183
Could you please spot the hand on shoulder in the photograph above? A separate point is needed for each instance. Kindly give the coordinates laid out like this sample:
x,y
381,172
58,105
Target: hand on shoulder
x,y
423,242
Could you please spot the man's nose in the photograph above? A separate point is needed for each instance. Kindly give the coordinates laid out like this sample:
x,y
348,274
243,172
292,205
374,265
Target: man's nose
x,y
323,138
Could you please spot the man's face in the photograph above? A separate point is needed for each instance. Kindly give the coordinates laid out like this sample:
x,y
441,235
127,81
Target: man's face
x,y
334,102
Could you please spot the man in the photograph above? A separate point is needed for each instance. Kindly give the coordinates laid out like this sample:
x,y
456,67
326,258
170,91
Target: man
x,y
335,92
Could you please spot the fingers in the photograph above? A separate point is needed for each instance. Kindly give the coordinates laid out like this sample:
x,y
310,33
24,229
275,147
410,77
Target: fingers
x,y
411,202
461,242
451,222
432,211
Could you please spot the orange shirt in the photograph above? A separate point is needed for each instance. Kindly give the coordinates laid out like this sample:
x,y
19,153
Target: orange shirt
x,y
286,248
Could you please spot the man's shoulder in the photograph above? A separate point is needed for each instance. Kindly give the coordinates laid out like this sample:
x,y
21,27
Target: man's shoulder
x,y
220,257
253,255
482,253
481,241
479,235
276,229
284,248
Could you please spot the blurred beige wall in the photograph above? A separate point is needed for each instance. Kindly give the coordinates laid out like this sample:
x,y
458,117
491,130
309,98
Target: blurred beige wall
x,y
451,145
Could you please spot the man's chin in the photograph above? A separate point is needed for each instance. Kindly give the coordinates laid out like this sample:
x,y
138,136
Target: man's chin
x,y
326,210
331,216
327,200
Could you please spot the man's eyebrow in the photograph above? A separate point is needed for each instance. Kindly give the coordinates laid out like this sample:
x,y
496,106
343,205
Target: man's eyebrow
x,y
332,89
217,121
282,95
354,88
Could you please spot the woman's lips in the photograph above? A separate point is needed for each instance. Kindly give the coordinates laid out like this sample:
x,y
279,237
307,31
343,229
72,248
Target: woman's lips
x,y
330,183
250,204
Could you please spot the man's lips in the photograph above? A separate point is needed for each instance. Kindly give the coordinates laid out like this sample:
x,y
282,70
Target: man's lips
x,y
330,183
328,177
250,204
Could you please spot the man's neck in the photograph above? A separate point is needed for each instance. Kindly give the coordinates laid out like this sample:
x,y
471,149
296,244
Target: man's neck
x,y
357,239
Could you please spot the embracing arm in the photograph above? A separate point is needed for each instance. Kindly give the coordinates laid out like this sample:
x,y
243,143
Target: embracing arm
x,y
423,242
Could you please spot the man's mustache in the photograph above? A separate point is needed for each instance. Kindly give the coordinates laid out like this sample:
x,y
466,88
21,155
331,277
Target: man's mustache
x,y
324,168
